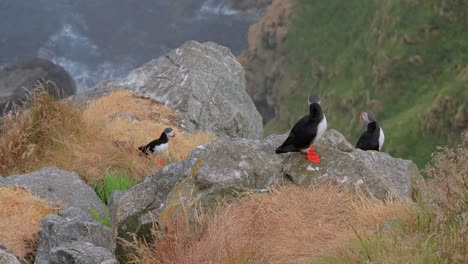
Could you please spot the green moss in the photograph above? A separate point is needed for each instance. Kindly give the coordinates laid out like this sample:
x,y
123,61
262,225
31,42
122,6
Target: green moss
x,y
103,220
195,167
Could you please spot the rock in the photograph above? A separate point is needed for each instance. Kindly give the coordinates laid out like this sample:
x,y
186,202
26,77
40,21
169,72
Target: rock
x,y
376,172
14,79
81,253
225,169
203,83
8,258
73,241
134,211
61,187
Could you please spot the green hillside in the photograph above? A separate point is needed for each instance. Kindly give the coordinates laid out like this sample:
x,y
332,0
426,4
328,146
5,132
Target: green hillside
x,y
407,61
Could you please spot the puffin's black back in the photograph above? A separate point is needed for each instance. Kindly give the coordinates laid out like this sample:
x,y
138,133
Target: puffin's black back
x,y
150,146
369,140
303,132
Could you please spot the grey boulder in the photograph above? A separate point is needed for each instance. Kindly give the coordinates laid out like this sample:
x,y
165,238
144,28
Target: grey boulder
x,y
134,211
81,253
60,187
203,83
375,172
227,168
7,257
73,241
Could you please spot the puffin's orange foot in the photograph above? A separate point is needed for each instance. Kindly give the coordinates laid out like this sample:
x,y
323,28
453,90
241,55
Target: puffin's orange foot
x,y
312,156
160,162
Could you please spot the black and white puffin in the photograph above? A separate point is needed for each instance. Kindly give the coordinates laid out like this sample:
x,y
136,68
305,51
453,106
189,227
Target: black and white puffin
x,y
306,132
158,145
373,138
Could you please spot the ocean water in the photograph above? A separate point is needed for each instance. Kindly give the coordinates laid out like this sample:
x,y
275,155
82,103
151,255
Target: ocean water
x,y
105,39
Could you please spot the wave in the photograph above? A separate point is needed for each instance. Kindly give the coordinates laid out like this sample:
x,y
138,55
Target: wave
x,y
216,7
81,58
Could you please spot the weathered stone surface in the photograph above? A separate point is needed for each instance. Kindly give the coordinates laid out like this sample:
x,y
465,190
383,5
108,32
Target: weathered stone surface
x,y
224,169
61,187
8,258
15,78
134,211
81,253
62,240
203,83
376,172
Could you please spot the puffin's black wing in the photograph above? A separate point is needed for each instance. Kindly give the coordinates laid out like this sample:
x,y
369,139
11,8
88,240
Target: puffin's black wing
x,y
303,132
149,148
369,140
288,145
300,137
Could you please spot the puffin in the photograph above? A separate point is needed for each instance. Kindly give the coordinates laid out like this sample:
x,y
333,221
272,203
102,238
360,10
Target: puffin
x,y
373,138
158,145
306,132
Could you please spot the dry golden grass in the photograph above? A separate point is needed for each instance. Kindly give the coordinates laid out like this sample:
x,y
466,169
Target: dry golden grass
x,y
91,141
29,133
448,202
435,233
150,119
20,216
289,225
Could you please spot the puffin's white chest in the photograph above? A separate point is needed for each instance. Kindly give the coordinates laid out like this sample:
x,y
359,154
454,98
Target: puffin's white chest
x,y
381,139
161,148
322,127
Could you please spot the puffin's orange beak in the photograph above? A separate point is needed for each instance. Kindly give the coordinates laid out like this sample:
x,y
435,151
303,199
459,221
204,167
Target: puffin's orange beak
x,y
360,115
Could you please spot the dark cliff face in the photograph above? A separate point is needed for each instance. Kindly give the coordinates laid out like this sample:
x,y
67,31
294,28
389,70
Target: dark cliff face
x,y
265,56
402,61
16,79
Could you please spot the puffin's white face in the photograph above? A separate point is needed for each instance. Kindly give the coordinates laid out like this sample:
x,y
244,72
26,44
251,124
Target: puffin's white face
x,y
366,117
170,132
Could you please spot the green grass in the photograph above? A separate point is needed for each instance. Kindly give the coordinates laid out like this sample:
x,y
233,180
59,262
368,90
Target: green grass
x,y
363,49
111,182
103,220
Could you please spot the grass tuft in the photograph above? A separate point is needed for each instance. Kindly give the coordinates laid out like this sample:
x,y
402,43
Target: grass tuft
x,y
290,225
29,133
102,137
103,220
20,216
436,232
112,182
